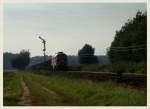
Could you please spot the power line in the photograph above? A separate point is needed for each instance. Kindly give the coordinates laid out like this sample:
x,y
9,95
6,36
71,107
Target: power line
x,y
135,49
142,45
128,48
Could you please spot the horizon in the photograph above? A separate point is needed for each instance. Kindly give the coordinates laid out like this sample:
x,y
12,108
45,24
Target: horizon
x,y
50,55
66,27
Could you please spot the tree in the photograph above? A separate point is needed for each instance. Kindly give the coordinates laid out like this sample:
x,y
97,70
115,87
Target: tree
x,y
86,55
21,60
130,41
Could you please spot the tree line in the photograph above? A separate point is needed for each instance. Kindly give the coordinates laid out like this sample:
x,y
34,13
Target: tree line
x,y
130,42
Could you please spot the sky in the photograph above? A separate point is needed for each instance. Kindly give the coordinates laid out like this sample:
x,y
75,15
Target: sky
x,y
66,27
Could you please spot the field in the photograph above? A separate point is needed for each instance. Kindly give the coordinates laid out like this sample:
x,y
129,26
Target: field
x,y
59,89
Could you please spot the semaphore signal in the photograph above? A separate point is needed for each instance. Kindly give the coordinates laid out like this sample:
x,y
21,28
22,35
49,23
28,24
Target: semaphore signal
x,y
44,42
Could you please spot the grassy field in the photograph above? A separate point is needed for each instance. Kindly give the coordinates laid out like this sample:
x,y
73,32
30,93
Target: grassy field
x,y
12,89
61,90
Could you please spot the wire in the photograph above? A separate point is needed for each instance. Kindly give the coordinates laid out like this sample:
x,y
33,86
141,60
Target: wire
x,y
86,54
135,49
130,46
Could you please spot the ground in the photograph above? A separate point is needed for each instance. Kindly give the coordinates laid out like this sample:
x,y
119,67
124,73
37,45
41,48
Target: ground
x,y
37,89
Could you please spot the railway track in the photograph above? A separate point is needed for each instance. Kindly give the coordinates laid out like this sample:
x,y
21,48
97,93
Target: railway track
x,y
135,80
41,90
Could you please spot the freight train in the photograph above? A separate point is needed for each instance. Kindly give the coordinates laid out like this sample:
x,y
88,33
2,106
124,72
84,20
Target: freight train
x,y
59,61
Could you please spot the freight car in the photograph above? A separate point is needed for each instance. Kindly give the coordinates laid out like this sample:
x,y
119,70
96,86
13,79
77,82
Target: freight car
x,y
59,61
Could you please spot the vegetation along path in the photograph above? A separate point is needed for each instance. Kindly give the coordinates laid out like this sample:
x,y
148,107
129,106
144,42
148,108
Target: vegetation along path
x,y
25,99
45,95
32,89
65,99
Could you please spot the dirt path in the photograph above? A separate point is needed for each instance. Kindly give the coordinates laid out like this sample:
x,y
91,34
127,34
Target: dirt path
x,y
28,100
25,99
66,100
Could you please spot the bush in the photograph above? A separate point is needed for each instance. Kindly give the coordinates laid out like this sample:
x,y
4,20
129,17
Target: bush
x,y
126,67
131,67
91,67
75,67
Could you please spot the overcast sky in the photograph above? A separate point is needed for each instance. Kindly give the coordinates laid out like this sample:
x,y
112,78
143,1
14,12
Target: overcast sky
x,y
66,27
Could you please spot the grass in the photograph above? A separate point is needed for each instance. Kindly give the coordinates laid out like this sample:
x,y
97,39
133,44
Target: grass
x,y
130,67
41,97
12,89
94,93
70,91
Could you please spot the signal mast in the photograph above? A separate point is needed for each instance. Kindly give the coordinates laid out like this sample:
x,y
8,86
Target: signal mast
x,y
44,42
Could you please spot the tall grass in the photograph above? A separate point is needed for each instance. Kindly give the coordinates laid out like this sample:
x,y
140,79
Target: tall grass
x,y
12,89
39,96
129,67
94,93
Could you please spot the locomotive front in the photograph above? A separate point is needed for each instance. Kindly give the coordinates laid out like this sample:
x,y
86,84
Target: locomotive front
x,y
60,61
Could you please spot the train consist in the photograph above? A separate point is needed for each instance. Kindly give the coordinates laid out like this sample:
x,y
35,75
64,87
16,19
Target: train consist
x,y
59,61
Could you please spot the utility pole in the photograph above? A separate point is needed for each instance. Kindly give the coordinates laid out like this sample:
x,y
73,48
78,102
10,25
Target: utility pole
x,y
44,42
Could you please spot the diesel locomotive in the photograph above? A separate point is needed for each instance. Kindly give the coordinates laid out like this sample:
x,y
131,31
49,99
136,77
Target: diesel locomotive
x,y
59,61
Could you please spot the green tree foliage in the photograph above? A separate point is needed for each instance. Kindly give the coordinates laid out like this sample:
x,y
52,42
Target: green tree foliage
x,y
21,60
130,41
86,55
